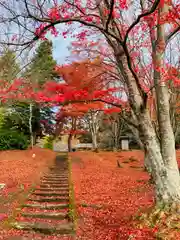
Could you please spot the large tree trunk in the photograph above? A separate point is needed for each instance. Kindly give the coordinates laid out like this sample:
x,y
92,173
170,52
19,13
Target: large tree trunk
x,y
70,142
161,156
165,176
136,135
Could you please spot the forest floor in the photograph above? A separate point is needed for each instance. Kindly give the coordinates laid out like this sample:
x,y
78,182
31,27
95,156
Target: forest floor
x,y
108,199
20,171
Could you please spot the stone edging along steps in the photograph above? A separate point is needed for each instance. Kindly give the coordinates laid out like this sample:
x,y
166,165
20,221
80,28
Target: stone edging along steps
x,y
47,209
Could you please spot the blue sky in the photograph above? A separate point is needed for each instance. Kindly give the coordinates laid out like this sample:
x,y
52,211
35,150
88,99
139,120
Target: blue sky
x,y
61,44
60,49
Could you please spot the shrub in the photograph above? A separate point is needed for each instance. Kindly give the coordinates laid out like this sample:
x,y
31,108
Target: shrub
x,y
10,140
48,142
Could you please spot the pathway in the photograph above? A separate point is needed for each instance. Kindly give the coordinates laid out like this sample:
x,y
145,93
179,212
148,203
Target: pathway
x,y
47,208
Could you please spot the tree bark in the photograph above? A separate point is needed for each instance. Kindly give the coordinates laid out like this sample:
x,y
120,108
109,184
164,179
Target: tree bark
x,y
94,142
166,177
115,130
30,124
135,132
70,142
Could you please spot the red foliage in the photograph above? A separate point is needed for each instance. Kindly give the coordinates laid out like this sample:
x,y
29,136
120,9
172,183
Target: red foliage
x,y
107,197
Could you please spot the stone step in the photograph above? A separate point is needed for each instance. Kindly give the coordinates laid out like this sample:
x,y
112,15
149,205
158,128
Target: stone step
x,y
58,173
56,176
47,206
47,194
52,189
47,215
54,179
54,185
59,168
46,199
44,181
45,228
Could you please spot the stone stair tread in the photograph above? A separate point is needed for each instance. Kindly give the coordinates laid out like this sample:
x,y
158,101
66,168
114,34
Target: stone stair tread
x,y
51,177
49,182
54,185
63,184
47,215
48,194
58,184
51,189
47,206
61,169
45,228
46,199
55,178
64,174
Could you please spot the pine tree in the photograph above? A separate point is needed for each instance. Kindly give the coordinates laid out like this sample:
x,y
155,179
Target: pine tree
x,y
9,68
42,67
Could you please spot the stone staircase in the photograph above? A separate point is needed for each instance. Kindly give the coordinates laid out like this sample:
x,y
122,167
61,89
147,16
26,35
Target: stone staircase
x,y
46,210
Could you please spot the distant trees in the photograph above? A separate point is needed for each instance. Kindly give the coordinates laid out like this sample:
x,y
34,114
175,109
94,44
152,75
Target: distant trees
x,y
9,66
27,116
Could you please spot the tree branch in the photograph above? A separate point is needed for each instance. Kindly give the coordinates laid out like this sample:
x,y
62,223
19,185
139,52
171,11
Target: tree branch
x,y
153,8
110,14
168,38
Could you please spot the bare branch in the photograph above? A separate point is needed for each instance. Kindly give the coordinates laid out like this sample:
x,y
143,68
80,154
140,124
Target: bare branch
x,y
168,38
110,14
153,8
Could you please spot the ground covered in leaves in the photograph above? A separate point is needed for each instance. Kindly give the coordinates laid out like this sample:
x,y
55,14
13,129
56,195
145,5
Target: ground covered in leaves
x,y
20,171
110,199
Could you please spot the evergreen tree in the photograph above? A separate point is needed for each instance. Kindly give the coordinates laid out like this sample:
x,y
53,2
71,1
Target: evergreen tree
x,y
42,67
41,70
9,68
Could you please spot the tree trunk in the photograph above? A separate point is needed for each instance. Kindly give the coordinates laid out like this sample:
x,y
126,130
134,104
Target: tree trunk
x,y
70,143
116,142
166,177
94,142
34,138
139,141
30,124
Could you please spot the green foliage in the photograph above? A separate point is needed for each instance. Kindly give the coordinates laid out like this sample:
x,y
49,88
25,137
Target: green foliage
x,y
43,64
17,118
9,68
10,140
2,118
48,142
